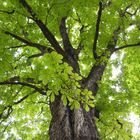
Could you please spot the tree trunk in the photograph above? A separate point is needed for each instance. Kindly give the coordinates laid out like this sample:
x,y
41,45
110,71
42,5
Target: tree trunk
x,y
76,124
71,125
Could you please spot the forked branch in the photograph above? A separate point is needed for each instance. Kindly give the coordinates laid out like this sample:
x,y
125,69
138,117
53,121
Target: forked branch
x,y
46,32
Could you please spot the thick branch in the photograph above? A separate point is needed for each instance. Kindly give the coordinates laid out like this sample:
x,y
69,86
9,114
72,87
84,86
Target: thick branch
x,y
40,47
67,44
14,82
81,45
97,30
50,37
127,46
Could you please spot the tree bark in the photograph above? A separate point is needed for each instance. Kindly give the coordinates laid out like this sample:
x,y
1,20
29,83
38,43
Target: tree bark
x,y
77,124
71,125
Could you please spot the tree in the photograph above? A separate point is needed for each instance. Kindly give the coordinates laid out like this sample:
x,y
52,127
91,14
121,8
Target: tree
x,y
56,70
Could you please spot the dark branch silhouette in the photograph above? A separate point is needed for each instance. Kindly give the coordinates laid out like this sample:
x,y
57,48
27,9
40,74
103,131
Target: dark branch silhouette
x,y
67,44
78,50
97,30
46,32
15,82
127,46
18,46
40,47
21,100
7,12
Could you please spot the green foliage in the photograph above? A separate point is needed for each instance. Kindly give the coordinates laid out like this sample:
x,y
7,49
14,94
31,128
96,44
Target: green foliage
x,y
50,72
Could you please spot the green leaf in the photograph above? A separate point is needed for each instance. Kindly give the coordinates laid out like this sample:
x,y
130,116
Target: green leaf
x,y
76,104
64,99
91,105
49,92
86,108
52,97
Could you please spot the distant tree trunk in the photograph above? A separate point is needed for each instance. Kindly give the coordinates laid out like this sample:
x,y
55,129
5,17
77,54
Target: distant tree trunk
x,y
77,124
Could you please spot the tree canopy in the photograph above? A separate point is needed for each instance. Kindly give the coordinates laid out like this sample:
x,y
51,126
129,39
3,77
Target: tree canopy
x,y
47,47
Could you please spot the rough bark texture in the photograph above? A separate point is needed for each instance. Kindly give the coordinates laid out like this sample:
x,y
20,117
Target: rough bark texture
x,y
71,125
77,124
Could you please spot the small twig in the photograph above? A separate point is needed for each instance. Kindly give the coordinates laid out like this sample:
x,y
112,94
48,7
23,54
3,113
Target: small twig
x,y
7,12
19,46
22,99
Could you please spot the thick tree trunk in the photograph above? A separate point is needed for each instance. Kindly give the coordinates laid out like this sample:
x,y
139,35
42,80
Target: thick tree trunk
x,y
71,125
76,124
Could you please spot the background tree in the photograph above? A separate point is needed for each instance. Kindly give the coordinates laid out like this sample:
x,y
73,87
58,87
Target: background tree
x,y
53,56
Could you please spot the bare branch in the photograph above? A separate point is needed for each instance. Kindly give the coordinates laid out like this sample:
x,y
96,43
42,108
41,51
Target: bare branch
x,y
97,30
132,14
16,82
67,44
40,47
127,46
6,126
6,112
36,55
80,47
127,7
123,13
22,99
18,46
49,36
7,12
9,109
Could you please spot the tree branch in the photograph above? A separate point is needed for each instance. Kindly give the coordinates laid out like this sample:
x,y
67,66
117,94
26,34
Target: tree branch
x,y
40,47
20,100
127,46
63,31
36,55
5,115
9,111
81,45
97,30
18,46
49,36
15,82
7,12
123,13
